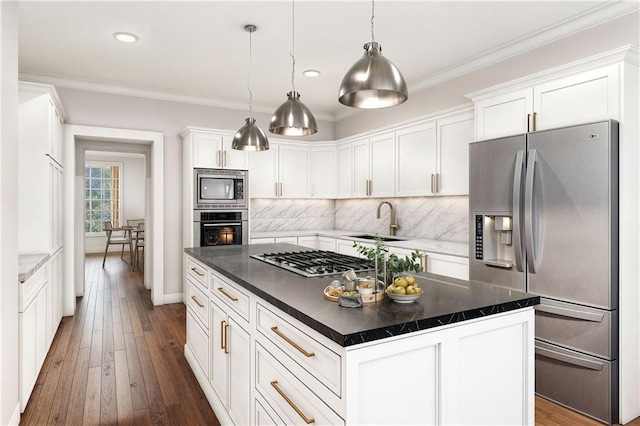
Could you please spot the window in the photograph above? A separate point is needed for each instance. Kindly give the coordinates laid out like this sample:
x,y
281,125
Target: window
x,y
101,195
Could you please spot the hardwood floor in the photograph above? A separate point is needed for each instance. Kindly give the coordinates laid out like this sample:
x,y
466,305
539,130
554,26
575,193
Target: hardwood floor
x,y
119,360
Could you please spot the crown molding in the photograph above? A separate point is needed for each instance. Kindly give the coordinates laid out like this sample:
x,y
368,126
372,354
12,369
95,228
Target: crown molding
x,y
153,94
45,89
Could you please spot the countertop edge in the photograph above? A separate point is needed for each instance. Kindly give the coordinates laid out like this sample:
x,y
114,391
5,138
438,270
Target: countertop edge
x,y
29,264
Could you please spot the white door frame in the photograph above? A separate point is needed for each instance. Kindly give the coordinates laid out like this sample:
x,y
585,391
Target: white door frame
x,y
74,227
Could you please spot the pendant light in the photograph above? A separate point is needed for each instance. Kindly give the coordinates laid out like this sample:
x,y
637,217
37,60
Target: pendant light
x,y
293,118
250,137
373,81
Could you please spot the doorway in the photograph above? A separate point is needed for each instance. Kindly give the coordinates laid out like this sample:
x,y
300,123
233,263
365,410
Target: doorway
x,y
78,140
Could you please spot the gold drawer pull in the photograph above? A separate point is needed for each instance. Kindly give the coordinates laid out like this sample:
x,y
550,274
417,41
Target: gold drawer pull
x,y
223,344
197,272
195,299
226,338
223,291
292,343
306,419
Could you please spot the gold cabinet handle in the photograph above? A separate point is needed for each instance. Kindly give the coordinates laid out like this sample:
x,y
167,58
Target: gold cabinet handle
x,y
226,338
535,121
223,291
223,343
528,122
276,188
437,182
224,158
306,419
292,343
219,159
423,260
195,299
197,272
432,182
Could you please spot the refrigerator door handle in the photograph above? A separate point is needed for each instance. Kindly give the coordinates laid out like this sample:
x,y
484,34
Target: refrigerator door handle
x,y
517,198
570,359
533,260
570,313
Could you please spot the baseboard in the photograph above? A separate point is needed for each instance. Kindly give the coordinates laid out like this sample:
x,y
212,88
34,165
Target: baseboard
x,y
15,417
173,298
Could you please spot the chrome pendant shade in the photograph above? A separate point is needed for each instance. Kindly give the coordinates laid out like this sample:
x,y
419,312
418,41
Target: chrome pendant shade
x,y
250,137
373,82
293,118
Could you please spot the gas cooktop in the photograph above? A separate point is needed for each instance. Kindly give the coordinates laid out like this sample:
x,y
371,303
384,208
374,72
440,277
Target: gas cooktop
x,y
316,263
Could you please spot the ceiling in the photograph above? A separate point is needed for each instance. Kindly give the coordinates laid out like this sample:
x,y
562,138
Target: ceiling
x,y
199,52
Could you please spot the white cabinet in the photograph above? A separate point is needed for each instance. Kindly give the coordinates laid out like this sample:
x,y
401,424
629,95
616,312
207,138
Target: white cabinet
x,y
374,166
213,151
283,171
40,170
326,243
40,308
309,241
416,161
323,172
576,98
344,171
454,135
437,263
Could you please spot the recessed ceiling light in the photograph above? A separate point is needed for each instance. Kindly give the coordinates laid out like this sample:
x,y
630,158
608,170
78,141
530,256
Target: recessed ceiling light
x,y
311,73
125,37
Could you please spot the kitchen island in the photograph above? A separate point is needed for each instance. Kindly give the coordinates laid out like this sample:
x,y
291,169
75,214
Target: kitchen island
x,y
268,348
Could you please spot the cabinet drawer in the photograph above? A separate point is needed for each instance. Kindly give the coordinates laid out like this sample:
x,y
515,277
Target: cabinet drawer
x,y
230,294
585,329
30,288
198,301
449,266
288,396
592,381
198,341
324,364
198,272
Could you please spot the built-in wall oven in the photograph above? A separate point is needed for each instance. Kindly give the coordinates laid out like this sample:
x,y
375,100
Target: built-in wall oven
x,y
220,227
217,188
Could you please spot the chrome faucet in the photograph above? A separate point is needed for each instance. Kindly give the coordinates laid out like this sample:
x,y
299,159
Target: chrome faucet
x,y
393,223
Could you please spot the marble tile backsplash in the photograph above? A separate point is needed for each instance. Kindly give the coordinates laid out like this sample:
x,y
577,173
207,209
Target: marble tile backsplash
x,y
433,218
271,215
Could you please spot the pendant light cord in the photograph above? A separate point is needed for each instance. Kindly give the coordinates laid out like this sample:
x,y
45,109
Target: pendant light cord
x,y
249,78
373,6
293,45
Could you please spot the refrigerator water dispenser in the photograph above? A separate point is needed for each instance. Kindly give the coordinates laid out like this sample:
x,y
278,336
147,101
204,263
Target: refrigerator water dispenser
x,y
493,240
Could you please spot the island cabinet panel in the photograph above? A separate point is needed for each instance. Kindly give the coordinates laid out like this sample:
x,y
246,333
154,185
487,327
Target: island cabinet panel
x,y
198,273
288,395
264,415
477,373
230,294
198,342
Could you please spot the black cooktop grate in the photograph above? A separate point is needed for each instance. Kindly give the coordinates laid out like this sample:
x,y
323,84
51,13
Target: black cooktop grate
x,y
316,263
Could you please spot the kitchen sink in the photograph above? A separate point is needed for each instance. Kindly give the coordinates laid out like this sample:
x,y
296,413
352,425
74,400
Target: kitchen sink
x,y
371,237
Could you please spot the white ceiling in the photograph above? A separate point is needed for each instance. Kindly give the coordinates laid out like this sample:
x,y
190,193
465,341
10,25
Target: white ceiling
x,y
199,51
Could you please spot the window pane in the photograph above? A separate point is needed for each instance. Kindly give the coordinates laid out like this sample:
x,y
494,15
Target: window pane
x,y
106,172
99,188
87,172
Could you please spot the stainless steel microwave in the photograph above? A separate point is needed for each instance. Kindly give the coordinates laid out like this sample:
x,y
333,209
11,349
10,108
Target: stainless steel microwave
x,y
216,188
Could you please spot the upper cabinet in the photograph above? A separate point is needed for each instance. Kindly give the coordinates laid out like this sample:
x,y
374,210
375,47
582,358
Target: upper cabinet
x,y
40,169
562,101
283,171
213,151
427,158
323,171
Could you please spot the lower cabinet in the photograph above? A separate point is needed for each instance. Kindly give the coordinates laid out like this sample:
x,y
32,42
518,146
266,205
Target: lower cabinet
x,y
230,364
437,263
40,312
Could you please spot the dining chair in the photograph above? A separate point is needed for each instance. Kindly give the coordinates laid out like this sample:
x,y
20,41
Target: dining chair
x,y
134,222
124,239
139,243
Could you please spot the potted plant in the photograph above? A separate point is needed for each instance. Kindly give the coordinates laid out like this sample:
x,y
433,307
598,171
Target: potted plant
x,y
394,264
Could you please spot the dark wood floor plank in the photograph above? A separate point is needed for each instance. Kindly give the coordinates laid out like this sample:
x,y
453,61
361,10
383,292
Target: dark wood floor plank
x,y
157,407
96,336
92,399
136,380
163,375
142,417
123,389
75,406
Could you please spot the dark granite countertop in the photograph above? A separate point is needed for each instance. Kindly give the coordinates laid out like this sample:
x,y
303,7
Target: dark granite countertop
x,y
445,300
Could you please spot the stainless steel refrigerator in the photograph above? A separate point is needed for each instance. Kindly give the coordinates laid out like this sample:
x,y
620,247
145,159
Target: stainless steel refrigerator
x,y
544,218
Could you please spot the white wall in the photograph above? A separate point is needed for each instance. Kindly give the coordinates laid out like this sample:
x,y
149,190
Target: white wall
x,y
607,36
9,403
133,180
